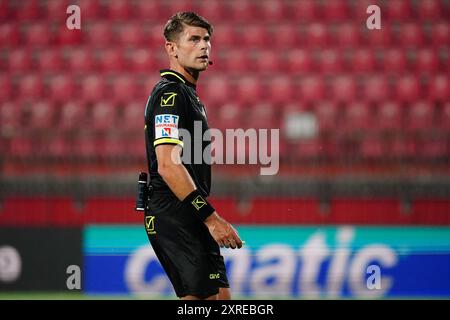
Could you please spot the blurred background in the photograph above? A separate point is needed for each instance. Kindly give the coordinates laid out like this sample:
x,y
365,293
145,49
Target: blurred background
x,y
362,193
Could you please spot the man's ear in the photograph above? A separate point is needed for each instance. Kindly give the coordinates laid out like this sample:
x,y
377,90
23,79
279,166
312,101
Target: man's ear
x,y
171,49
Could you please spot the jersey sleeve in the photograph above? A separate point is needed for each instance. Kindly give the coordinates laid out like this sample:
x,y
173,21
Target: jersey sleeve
x,y
169,116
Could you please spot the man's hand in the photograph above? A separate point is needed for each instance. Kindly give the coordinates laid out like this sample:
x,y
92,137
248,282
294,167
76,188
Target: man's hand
x,y
223,232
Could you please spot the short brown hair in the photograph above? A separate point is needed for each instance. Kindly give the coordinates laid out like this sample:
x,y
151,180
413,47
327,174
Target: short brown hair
x,y
176,23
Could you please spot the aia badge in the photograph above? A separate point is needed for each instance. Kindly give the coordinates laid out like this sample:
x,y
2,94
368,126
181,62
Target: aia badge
x,y
168,99
166,132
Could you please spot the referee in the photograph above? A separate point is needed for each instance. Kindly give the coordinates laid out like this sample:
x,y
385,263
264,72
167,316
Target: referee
x,y
184,229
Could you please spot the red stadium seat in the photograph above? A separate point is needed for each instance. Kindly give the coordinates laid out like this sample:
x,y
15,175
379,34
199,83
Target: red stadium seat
x,y
330,61
38,35
57,147
124,89
143,61
92,10
327,115
152,11
132,114
93,88
317,34
281,90
426,60
286,36
262,116
62,88
82,60
217,91
243,10
132,34
28,10
268,62
214,11
394,60
248,90
299,61
9,35
51,61
379,38
358,118
225,36
433,148
309,149
398,10
362,60
440,33
400,147
31,87
119,10
7,91
41,115
135,148
443,119
229,117
311,89
410,34
429,9
55,10
271,10
85,147
255,35
439,88
6,12
389,116
10,118
68,37
343,89
376,88
420,116
99,34
73,115
347,34
21,147
372,148
360,9
238,61
20,61
306,10
336,10
408,88
111,60
180,5
103,116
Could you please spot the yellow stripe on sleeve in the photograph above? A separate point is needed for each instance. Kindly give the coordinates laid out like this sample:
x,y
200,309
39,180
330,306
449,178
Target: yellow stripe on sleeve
x,y
168,140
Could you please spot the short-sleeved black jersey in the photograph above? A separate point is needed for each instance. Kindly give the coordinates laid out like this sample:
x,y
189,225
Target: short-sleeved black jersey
x,y
174,105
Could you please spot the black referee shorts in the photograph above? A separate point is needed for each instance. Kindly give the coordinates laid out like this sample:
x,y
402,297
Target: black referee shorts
x,y
186,250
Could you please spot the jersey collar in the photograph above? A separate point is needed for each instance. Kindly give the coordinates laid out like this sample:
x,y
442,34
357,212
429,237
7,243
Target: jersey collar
x,y
175,76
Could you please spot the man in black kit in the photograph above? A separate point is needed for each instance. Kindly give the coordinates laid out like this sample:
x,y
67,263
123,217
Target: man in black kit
x,y
184,230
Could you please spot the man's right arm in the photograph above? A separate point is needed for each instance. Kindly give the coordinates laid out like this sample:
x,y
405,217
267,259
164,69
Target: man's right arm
x,y
180,182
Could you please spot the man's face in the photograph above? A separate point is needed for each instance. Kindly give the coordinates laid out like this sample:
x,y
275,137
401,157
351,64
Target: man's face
x,y
193,48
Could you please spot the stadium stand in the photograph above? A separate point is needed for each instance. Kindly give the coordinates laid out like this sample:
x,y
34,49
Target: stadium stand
x,y
72,101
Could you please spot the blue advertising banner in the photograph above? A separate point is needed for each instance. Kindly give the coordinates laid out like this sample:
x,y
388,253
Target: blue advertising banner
x,y
286,262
